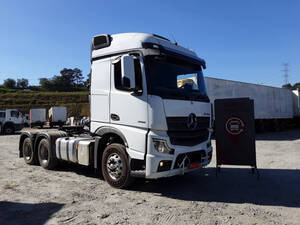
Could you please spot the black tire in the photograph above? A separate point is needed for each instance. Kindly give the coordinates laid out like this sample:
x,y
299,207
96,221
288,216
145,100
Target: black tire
x,y
29,156
121,177
46,157
9,129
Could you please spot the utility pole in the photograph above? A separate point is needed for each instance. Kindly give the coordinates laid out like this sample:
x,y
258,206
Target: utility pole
x,y
286,73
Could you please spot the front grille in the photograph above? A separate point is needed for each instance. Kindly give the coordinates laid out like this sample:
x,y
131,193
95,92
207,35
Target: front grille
x,y
191,157
180,134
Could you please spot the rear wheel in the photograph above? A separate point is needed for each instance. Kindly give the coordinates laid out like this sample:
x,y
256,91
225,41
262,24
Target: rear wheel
x,y
9,129
115,167
46,157
28,153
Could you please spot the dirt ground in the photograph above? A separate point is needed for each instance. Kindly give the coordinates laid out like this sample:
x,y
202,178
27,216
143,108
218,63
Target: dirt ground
x,y
74,195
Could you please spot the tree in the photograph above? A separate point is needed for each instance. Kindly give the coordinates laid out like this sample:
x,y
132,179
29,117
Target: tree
x,y
88,80
46,84
22,83
288,86
296,86
292,87
78,77
68,80
9,83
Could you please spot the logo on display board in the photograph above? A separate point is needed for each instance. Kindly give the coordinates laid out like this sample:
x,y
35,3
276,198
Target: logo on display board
x,y
235,126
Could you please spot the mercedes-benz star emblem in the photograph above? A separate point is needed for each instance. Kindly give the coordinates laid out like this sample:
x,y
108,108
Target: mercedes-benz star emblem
x,y
192,121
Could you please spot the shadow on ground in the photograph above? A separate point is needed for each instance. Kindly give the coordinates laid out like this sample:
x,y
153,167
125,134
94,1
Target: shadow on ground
x,y
26,213
79,169
287,135
276,187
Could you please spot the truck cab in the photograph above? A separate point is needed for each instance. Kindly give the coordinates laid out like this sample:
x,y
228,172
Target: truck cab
x,y
150,115
11,120
136,94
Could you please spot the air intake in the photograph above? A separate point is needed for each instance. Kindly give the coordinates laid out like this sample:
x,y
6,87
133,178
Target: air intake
x,y
101,41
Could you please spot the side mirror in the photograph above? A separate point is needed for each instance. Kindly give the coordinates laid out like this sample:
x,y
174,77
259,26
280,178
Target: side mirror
x,y
127,71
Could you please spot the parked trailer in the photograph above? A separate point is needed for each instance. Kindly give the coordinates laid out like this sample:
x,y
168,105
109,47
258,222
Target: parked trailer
x,y
57,116
37,117
273,107
139,127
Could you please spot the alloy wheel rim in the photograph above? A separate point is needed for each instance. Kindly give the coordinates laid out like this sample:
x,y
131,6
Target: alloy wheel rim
x,y
114,166
44,154
27,152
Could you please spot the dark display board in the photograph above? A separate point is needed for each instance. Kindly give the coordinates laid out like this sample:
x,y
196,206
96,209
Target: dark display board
x,y
235,132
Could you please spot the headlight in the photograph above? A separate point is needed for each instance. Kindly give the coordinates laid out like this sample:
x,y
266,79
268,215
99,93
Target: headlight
x,y
162,146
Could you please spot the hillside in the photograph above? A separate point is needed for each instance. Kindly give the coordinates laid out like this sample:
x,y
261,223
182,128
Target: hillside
x,y
77,103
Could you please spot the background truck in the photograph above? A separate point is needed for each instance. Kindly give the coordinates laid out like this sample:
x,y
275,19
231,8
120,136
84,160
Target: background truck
x,y
143,124
37,117
57,116
11,120
274,107
26,120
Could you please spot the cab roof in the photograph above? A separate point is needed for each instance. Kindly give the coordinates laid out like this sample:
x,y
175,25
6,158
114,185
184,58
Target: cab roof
x,y
104,44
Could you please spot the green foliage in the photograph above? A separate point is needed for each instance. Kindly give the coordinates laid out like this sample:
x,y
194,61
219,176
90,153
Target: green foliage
x,y
288,86
68,80
292,87
9,83
22,83
88,80
296,86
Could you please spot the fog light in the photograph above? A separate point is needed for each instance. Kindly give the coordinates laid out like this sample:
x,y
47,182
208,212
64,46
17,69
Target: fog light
x,y
164,165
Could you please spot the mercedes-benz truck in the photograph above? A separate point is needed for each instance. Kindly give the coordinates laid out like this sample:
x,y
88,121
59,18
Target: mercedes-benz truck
x,y
144,122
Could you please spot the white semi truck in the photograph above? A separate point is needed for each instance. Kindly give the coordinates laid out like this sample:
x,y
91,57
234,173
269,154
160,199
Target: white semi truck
x,y
142,123
11,120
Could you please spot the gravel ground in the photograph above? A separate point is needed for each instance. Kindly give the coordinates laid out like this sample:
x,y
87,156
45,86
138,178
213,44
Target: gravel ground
x,y
74,195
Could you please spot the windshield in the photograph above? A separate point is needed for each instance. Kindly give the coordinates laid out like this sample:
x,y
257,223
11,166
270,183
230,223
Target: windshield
x,y
175,79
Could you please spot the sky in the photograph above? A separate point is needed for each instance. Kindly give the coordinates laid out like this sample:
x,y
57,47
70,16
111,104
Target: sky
x,y
245,40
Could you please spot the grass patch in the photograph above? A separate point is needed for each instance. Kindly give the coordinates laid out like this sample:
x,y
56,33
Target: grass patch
x,y
77,103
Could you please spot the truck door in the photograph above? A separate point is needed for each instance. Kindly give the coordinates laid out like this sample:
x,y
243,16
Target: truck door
x,y
126,107
100,88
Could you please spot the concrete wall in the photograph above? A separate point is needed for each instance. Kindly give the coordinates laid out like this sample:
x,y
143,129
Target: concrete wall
x,y
269,102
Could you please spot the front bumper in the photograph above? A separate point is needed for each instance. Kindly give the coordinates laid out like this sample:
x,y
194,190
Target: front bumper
x,y
180,162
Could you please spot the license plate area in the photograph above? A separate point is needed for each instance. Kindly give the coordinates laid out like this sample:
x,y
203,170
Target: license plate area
x,y
194,165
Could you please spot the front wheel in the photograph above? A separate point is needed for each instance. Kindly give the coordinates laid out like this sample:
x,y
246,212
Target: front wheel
x,y
115,166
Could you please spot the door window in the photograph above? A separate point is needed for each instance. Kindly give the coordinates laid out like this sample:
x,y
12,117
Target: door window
x,y
14,114
138,75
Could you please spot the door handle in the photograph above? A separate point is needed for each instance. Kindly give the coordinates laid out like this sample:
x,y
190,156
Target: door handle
x,y
114,117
